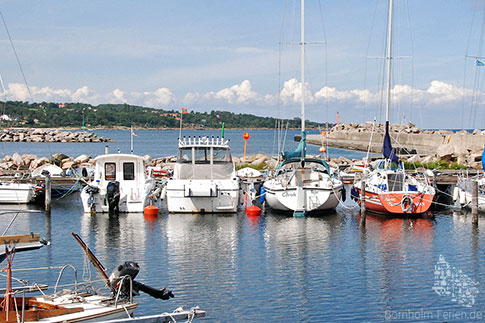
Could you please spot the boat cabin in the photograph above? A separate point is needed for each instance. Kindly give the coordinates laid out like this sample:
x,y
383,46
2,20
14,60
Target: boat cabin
x,y
204,158
127,169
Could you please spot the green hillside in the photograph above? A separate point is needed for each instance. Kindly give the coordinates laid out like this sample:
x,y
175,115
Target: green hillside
x,y
72,115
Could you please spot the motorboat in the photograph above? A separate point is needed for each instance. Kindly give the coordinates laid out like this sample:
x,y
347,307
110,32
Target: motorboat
x,y
120,184
62,183
204,178
18,193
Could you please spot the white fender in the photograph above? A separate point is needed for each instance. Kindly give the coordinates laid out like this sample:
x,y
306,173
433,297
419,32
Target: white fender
x,y
163,196
462,197
456,194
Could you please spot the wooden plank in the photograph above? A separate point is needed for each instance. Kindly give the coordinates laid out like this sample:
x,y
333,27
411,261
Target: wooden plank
x,y
20,238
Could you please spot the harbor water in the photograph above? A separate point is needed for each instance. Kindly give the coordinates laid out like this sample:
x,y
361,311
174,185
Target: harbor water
x,y
272,268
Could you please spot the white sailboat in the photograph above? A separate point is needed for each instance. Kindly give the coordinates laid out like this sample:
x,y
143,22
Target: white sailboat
x,y
204,178
388,188
302,184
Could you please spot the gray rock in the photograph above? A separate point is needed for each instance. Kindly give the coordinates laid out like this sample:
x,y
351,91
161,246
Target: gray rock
x,y
444,151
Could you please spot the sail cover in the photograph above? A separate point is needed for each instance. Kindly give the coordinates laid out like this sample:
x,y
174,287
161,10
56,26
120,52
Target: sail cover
x,y
387,148
300,150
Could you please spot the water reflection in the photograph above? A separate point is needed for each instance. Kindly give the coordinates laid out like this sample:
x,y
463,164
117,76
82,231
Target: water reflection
x,y
271,267
115,238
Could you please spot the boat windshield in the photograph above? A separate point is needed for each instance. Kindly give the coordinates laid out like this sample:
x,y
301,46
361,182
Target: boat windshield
x,y
185,155
221,155
202,155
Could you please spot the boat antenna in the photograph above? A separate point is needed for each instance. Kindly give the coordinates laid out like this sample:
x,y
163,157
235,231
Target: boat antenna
x,y
131,139
302,53
222,131
180,130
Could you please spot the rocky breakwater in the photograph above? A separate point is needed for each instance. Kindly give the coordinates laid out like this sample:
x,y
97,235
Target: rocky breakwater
x,y
430,145
24,164
48,135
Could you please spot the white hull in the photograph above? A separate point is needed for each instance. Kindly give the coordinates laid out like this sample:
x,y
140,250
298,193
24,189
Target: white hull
x,y
315,199
463,194
202,196
303,189
128,172
93,310
16,193
133,201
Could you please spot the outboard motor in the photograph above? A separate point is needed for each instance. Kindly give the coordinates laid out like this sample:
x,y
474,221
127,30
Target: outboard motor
x,y
91,190
113,194
131,269
354,194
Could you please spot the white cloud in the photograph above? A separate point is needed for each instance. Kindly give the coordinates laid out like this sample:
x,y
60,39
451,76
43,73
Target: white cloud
x,y
438,96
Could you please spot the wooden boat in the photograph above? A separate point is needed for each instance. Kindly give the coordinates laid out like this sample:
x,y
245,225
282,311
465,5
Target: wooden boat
x,y
82,303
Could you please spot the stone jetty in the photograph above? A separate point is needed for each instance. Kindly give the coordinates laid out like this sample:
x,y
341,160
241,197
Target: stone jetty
x,y
462,147
48,135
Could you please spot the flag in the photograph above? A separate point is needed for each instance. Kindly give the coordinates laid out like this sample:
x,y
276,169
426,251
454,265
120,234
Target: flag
x,y
479,63
133,133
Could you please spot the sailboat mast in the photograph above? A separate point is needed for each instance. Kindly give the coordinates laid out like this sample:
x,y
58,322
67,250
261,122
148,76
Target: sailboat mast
x,y
389,60
302,65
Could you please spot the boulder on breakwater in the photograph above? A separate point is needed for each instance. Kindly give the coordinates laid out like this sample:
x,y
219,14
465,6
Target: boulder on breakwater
x,y
48,135
462,147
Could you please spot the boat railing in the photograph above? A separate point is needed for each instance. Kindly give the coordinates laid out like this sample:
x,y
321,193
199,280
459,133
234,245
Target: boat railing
x,y
61,272
120,287
203,141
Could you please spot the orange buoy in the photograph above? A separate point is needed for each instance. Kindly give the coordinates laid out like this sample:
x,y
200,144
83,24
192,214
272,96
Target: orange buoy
x,y
322,149
150,210
253,211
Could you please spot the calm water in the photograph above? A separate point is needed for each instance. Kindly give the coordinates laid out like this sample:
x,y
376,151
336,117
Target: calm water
x,y
274,268
157,143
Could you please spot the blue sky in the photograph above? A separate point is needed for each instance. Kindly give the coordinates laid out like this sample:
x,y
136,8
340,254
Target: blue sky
x,y
215,54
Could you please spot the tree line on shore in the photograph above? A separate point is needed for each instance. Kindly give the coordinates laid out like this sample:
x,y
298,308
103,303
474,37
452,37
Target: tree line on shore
x,y
54,115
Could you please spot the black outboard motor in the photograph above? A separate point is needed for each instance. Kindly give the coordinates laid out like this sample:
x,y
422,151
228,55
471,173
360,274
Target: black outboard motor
x,y
113,193
131,269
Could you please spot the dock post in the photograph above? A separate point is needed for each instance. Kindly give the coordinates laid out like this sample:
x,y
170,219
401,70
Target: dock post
x,y
48,195
106,149
362,203
475,202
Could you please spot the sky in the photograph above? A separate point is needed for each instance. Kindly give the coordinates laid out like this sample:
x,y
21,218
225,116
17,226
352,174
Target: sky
x,y
243,57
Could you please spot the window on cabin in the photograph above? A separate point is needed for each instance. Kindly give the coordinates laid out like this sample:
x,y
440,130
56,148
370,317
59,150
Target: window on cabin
x,y
201,155
110,171
395,182
185,155
221,156
128,171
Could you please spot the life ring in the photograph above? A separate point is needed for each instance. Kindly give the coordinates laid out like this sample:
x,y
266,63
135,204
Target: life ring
x,y
159,173
406,203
